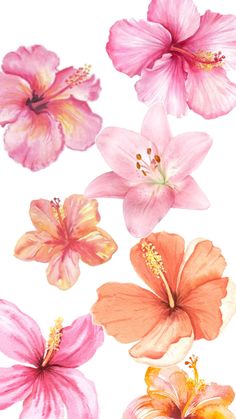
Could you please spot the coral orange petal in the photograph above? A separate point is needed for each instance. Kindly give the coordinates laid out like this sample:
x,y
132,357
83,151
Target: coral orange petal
x,y
147,408
63,269
43,218
213,394
96,247
81,214
39,246
213,412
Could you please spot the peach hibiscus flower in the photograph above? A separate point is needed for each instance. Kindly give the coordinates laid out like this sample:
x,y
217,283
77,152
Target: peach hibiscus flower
x,y
45,107
172,394
65,234
189,299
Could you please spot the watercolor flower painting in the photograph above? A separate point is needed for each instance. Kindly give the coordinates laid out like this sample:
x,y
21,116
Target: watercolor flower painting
x,y
52,384
65,234
172,394
189,299
151,170
180,56
45,108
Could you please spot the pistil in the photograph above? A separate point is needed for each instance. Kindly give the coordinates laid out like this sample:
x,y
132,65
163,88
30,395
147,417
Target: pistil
x,y
59,215
54,341
196,384
205,60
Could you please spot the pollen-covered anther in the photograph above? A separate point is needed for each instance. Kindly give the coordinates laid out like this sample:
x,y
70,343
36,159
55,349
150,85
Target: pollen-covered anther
x,y
55,335
152,258
79,76
207,60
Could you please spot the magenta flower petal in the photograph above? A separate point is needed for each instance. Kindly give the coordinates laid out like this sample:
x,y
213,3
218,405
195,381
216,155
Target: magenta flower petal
x,y
180,17
190,195
108,185
135,45
34,140
156,127
165,83
35,64
79,343
11,105
21,338
145,206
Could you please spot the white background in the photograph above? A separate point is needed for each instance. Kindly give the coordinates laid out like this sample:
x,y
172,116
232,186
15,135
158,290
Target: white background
x,y
77,31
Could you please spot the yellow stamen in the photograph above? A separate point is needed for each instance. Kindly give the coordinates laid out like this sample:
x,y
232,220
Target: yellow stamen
x,y
54,341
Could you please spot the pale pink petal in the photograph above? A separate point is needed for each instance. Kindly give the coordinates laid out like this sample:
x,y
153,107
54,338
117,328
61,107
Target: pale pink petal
x,y
14,93
35,64
108,185
216,33
21,338
15,384
168,342
228,304
119,147
43,217
34,140
156,128
180,17
81,214
127,312
96,247
185,153
164,83
188,195
148,408
213,394
79,343
210,93
36,246
63,269
135,45
79,124
144,206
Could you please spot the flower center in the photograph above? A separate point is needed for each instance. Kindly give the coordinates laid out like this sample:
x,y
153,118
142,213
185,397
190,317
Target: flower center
x,y
54,341
151,168
35,103
205,60
154,262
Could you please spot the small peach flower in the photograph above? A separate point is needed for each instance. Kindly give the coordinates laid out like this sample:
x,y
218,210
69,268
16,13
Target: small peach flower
x,y
65,234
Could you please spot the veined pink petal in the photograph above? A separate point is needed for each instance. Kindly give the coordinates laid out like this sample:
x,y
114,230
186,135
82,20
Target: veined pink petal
x,y
164,83
180,17
127,312
156,128
34,140
14,93
108,185
81,214
212,394
15,384
188,195
43,217
135,45
96,247
210,93
80,125
63,269
36,246
168,342
185,153
145,205
146,407
216,33
79,343
119,147
21,338
35,64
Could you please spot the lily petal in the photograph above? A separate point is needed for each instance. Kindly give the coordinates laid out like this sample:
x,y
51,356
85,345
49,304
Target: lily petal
x,y
63,269
96,247
134,45
156,128
189,195
108,185
36,246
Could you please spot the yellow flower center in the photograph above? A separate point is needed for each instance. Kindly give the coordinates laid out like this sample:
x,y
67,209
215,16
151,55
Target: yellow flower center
x,y
54,341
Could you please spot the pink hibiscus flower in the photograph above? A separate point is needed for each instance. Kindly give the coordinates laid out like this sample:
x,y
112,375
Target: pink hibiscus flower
x,y
53,383
180,56
172,394
65,234
45,107
189,299
151,171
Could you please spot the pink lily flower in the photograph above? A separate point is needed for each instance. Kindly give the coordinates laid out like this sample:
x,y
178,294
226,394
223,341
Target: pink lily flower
x,y
45,107
52,384
64,235
180,56
151,171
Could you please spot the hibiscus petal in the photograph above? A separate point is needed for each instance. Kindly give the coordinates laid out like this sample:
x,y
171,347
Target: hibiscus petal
x,y
80,125
35,64
212,394
214,411
188,195
81,214
34,140
79,343
96,247
164,83
180,17
228,304
135,45
216,33
108,185
147,408
14,93
203,307
43,218
144,206
21,338
210,93
15,384
171,249
127,312
63,269
168,342
36,246
156,128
